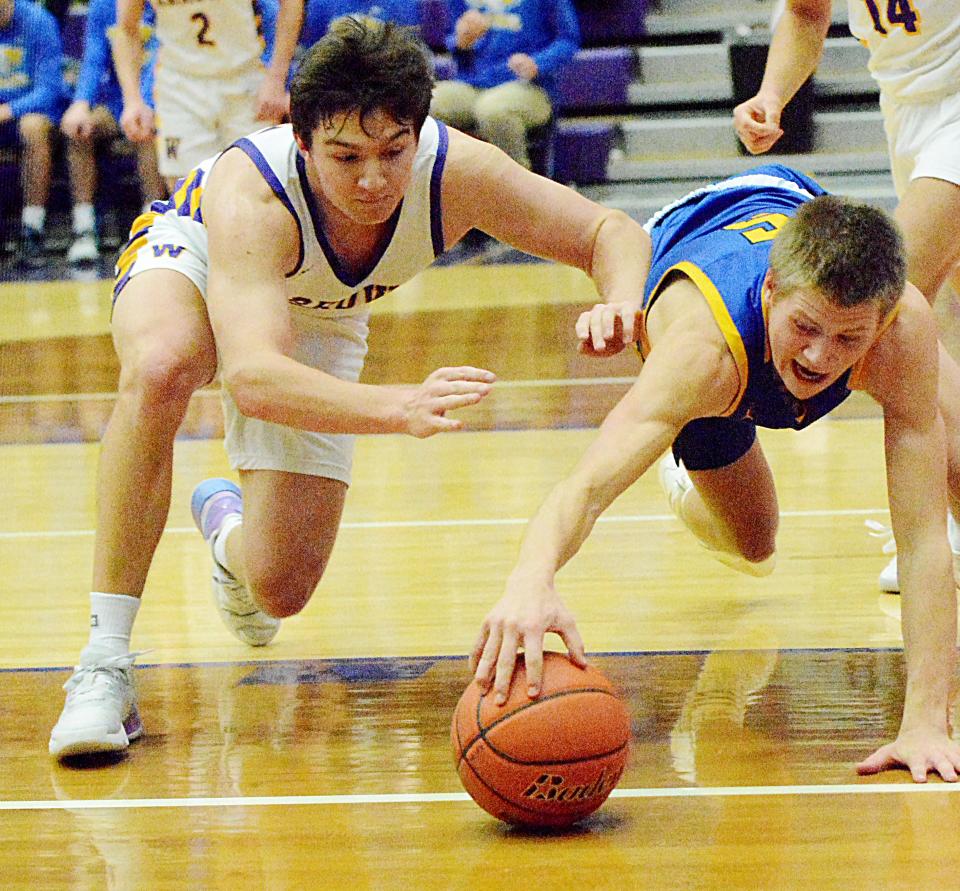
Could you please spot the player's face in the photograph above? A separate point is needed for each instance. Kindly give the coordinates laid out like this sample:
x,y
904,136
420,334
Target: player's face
x,y
363,171
813,341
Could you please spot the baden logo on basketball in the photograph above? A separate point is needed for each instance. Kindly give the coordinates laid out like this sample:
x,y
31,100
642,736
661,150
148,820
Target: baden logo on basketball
x,y
552,787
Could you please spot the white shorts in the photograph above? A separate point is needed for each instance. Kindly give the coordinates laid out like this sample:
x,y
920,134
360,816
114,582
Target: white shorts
x,y
335,346
923,139
196,117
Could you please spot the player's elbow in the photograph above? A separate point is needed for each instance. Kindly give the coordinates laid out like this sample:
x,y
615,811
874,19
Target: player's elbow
x,y
248,386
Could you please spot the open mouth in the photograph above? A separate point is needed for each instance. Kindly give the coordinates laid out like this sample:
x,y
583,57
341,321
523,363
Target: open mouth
x,y
806,375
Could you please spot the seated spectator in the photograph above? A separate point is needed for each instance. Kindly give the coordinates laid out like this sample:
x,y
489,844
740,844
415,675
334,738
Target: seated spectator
x,y
30,101
319,14
91,120
508,58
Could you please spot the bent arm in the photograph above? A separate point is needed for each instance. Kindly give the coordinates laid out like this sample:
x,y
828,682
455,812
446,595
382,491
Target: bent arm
x,y
795,48
485,189
252,244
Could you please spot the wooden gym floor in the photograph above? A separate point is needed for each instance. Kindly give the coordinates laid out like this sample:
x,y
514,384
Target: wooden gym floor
x,y
323,760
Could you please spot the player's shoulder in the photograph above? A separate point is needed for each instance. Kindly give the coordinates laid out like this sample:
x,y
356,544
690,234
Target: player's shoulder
x,y
905,351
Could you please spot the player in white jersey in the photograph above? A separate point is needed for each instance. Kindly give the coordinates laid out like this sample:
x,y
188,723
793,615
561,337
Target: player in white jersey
x,y
915,59
264,265
212,83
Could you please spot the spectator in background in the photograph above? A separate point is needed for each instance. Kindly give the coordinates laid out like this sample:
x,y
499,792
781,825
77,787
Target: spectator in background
x,y
213,82
318,15
508,55
92,119
30,97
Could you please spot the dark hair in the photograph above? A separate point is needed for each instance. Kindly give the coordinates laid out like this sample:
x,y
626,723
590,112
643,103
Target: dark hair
x,y
850,252
361,65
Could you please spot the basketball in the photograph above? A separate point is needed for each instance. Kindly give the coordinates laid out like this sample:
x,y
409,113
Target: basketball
x,y
544,762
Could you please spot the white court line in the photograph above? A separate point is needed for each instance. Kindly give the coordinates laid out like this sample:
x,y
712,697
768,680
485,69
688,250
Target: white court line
x,y
500,385
481,521
438,797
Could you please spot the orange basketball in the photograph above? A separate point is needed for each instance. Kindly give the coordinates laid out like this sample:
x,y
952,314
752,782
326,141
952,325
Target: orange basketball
x,y
548,761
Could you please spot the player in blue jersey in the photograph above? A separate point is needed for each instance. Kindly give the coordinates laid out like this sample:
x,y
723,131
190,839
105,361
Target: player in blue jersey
x,y
766,303
264,265
93,118
30,102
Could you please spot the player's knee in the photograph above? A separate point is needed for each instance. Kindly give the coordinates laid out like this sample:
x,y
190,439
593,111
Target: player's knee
x,y
757,549
282,593
159,376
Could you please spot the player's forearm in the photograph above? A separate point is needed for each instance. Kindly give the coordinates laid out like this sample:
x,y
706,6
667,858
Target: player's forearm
x,y
928,609
620,260
279,389
795,51
127,49
289,23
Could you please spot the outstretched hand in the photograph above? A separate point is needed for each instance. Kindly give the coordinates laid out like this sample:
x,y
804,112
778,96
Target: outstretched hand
x,y
757,122
522,617
921,752
445,389
607,328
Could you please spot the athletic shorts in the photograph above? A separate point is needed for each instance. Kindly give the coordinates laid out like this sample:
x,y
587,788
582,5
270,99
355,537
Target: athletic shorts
x,y
923,139
335,346
709,443
198,117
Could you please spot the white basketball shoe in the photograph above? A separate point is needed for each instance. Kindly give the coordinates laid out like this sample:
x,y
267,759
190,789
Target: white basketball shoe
x,y
101,713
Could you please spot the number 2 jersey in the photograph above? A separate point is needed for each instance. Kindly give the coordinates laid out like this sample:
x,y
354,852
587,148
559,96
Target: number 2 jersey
x,y
214,38
720,237
914,46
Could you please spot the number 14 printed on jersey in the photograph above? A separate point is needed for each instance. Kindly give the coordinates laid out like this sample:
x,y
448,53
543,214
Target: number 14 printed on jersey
x,y
899,12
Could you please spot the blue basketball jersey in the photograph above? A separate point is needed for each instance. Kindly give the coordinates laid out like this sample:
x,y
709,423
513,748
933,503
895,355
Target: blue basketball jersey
x,y
720,237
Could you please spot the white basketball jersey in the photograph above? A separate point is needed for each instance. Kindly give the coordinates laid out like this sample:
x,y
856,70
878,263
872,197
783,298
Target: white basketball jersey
x,y
209,38
914,45
319,287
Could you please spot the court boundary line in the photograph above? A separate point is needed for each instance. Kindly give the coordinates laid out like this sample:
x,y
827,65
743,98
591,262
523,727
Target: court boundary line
x,y
446,797
465,522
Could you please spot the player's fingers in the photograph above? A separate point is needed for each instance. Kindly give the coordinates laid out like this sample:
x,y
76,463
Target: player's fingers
x,y
488,656
449,403
583,326
874,763
506,661
465,373
629,317
596,329
918,769
574,644
945,768
476,650
533,657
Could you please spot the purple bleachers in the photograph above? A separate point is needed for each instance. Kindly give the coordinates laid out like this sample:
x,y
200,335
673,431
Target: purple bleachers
x,y
581,151
611,22
597,78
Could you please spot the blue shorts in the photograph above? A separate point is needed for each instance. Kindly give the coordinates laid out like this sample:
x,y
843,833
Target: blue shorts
x,y
709,443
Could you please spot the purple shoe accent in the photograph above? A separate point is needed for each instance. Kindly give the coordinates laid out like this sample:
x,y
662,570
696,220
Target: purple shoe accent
x,y
132,725
213,500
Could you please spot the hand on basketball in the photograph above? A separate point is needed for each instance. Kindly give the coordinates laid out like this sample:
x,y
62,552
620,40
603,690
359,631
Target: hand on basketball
x,y
445,389
920,751
757,122
607,328
137,123
522,617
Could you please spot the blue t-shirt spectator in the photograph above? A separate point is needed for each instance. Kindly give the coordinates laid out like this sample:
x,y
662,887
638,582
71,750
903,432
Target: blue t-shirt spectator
x,y
97,81
318,14
30,53
546,30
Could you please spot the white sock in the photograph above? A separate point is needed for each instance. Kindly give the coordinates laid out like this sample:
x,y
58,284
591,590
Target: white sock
x,y
220,541
33,216
111,621
953,533
84,219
